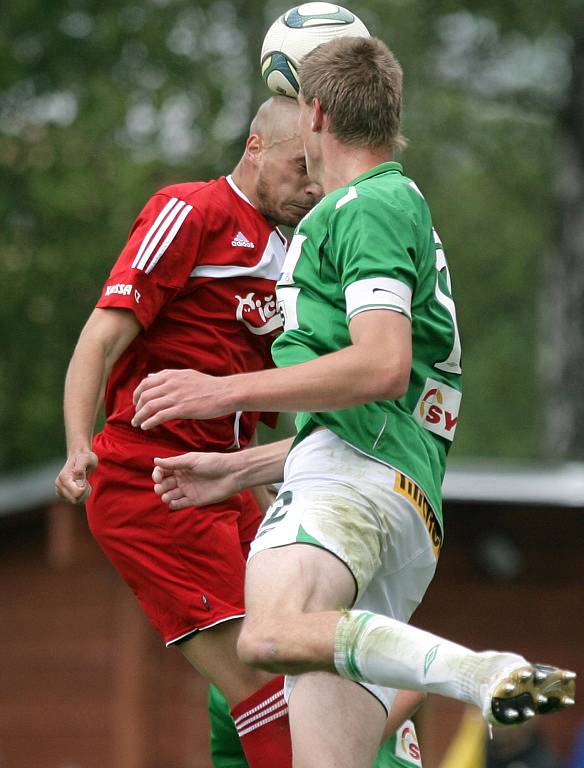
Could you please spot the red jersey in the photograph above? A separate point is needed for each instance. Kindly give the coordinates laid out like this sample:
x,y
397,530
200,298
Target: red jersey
x,y
198,272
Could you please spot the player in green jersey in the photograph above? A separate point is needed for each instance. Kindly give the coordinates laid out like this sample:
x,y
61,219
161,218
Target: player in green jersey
x,y
370,359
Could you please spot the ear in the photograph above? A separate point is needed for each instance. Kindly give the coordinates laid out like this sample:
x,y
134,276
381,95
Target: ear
x,y
318,116
253,148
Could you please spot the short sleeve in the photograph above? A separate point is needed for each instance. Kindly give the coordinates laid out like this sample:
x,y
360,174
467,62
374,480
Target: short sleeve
x,y
373,247
157,260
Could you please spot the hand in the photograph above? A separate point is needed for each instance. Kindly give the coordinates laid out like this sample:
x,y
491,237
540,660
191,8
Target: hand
x,y
71,483
173,394
194,479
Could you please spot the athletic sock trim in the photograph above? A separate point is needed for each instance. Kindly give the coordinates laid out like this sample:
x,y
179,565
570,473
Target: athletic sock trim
x,y
270,709
253,710
282,712
350,629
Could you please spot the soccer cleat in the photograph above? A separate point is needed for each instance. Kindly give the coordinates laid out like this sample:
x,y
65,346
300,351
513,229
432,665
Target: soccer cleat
x,y
516,695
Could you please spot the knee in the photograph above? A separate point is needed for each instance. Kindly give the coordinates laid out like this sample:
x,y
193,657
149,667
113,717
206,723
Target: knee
x,y
259,646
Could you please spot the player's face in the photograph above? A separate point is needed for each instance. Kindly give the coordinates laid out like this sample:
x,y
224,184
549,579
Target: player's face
x,y
285,193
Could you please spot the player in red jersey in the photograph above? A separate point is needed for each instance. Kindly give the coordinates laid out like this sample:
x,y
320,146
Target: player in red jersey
x,y
193,288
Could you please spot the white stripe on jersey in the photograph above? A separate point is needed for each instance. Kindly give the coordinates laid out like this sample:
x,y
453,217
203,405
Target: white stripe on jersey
x,y
153,229
157,236
269,266
169,238
164,220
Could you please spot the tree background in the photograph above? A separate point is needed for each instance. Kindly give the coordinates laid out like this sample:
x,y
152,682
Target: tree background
x,y
103,102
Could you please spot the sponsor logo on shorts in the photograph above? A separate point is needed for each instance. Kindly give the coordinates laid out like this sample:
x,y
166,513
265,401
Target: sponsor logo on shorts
x,y
121,288
406,746
437,409
409,490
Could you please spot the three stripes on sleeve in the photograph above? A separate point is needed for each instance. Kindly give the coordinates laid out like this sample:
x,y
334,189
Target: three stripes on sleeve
x,y
161,234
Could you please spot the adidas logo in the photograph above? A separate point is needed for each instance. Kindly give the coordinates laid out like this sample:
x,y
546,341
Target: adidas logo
x,y
241,241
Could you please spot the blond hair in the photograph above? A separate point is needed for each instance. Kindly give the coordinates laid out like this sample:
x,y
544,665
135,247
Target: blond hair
x,y
358,82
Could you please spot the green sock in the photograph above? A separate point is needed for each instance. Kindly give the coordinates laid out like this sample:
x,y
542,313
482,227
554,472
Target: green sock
x,y
226,751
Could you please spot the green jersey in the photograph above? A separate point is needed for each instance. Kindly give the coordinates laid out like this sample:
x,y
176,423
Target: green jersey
x,y
371,245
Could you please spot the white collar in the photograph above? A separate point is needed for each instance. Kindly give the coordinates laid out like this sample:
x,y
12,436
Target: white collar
x,y
238,191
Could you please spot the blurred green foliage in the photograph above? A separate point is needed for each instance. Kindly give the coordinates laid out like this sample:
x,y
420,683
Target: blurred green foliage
x,y
103,102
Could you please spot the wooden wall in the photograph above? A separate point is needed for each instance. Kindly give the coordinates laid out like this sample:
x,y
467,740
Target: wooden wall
x,y
86,683
538,613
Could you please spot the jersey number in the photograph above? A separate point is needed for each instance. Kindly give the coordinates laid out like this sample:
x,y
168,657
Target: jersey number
x,y
286,294
288,297
275,513
452,363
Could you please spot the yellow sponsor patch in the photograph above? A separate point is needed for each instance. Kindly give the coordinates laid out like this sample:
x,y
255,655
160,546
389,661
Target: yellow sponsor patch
x,y
409,490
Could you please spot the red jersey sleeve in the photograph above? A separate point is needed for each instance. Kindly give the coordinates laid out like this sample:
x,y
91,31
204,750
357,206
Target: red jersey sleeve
x,y
157,260
269,418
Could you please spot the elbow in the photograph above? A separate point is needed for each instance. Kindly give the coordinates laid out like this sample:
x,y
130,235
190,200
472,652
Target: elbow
x,y
391,383
396,388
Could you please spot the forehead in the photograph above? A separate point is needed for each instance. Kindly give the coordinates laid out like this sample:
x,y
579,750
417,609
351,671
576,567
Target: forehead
x,y
289,149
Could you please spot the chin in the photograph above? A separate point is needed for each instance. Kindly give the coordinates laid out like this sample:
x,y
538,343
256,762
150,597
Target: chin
x,y
291,221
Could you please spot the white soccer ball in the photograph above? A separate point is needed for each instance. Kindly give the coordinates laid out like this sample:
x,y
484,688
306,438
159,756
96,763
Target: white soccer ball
x,y
296,33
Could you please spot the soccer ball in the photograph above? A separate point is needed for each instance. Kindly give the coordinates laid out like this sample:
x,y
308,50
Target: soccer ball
x,y
296,33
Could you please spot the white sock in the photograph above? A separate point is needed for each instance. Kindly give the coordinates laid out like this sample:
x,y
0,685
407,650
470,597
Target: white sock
x,y
376,649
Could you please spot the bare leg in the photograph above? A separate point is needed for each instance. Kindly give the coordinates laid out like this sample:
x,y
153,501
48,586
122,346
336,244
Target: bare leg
x,y
288,630
319,704
335,723
212,653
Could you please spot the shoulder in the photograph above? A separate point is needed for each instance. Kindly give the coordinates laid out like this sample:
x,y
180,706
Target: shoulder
x,y
394,192
382,200
207,205
191,191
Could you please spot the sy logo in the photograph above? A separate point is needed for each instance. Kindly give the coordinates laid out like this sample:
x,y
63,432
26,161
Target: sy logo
x,y
437,409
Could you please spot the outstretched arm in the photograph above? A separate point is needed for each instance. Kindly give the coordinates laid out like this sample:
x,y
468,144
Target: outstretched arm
x,y
105,336
376,366
198,479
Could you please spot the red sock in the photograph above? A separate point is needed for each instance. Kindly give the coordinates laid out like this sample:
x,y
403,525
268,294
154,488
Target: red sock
x,y
263,727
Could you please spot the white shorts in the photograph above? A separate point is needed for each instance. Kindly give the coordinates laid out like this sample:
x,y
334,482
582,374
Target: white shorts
x,y
372,517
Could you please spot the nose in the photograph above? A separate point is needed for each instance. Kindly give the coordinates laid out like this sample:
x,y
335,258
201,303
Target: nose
x,y
313,189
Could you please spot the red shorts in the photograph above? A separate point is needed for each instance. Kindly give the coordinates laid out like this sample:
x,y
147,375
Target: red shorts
x,y
186,568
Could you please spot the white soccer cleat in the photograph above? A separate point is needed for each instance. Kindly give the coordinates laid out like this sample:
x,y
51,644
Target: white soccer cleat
x,y
518,690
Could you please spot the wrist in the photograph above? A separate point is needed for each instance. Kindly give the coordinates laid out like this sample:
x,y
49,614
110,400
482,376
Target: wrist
x,y
240,469
75,447
230,396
